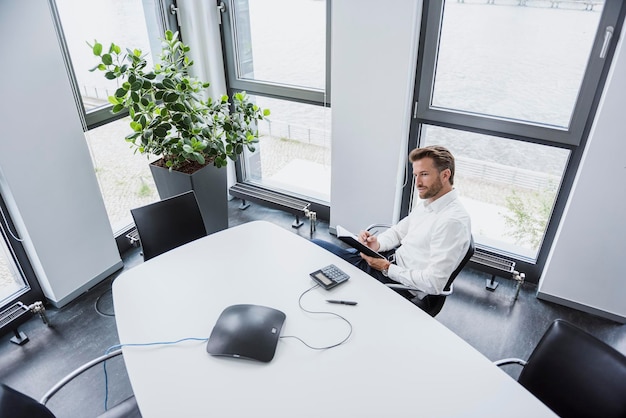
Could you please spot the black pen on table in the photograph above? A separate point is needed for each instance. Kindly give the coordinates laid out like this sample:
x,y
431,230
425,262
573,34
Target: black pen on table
x,y
341,302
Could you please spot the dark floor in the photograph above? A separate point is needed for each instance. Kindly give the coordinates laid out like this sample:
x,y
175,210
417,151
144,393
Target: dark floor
x,y
493,322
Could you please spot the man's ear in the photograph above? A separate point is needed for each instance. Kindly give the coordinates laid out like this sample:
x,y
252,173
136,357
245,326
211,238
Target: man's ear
x,y
445,174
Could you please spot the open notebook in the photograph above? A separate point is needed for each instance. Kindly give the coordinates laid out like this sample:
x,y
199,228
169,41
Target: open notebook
x,y
352,240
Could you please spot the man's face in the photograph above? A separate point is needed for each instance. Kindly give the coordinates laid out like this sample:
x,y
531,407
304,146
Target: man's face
x,y
427,179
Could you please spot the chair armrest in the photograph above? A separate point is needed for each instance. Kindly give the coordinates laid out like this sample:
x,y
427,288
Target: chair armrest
x,y
506,361
80,370
378,226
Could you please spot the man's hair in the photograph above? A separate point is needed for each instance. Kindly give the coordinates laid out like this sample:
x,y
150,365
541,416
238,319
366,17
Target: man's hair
x,y
441,157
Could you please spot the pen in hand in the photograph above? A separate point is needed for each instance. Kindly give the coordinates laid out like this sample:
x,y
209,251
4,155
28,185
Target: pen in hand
x,y
341,302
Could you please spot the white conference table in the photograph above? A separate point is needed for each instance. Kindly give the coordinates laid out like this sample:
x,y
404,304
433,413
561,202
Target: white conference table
x,y
399,362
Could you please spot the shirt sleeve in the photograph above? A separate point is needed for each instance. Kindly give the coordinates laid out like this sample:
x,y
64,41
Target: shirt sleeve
x,y
449,243
392,237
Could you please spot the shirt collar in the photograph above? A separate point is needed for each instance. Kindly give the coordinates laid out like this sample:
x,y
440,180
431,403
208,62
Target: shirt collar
x,y
442,202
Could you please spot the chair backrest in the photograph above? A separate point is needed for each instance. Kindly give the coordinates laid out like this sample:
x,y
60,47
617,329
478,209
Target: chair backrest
x,y
168,224
464,261
433,304
15,404
575,374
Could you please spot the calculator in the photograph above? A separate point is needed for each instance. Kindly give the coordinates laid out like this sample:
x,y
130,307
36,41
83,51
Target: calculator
x,y
329,276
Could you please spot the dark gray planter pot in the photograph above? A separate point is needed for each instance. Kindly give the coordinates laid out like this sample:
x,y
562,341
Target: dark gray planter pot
x,y
209,184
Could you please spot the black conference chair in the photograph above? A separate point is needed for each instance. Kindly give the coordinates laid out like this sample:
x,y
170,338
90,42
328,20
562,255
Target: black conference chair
x,y
575,374
431,304
168,223
14,404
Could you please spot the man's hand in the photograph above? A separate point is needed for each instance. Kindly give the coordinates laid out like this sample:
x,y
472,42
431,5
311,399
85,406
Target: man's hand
x,y
376,263
370,240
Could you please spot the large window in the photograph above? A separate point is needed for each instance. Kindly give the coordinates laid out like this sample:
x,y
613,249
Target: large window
x,y
18,284
277,51
124,178
510,87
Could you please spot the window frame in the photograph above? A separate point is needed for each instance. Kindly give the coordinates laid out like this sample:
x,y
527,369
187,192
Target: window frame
x,y
571,136
167,19
273,90
166,14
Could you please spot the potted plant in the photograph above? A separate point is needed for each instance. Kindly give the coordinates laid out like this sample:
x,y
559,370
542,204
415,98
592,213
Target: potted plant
x,y
172,118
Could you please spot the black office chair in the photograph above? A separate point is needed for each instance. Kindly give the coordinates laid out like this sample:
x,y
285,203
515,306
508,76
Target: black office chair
x,y
14,404
168,223
431,304
575,374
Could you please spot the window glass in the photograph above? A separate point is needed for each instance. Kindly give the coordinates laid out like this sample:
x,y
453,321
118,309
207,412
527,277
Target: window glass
x,y
124,176
521,60
281,41
508,187
293,153
11,280
120,21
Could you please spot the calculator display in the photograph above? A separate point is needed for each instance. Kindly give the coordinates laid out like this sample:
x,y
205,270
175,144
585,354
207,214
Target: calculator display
x,y
323,278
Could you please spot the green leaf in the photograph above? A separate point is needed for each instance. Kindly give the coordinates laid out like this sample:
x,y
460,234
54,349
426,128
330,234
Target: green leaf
x,y
160,132
107,59
97,49
266,112
136,126
117,108
136,85
169,83
121,92
170,97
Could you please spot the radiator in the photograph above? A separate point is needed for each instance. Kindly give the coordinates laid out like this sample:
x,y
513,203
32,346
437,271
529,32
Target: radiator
x,y
497,263
293,205
499,266
18,313
14,313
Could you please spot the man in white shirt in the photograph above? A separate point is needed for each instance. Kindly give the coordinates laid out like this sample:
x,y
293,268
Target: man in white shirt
x,y
430,242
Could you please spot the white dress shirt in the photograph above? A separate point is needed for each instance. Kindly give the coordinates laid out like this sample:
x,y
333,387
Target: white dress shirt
x,y
432,240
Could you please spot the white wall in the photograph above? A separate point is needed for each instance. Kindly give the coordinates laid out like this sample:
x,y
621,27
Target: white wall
x,y
585,267
46,173
374,57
